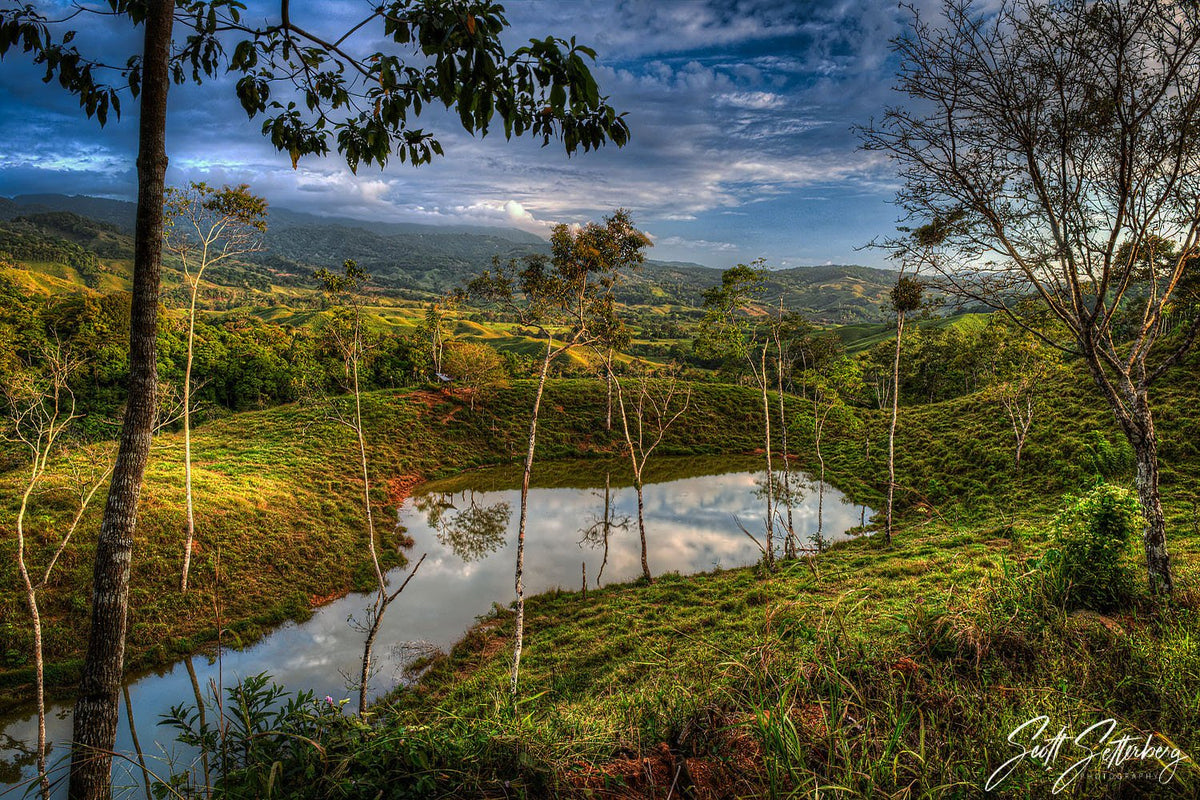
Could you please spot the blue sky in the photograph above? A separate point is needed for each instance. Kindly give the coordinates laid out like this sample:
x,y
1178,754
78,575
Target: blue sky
x,y
741,115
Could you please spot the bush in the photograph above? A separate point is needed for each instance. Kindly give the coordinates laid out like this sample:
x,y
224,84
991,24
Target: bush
x,y
1106,460
1091,564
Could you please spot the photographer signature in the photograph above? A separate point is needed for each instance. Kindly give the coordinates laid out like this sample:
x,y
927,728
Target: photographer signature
x,y
1095,747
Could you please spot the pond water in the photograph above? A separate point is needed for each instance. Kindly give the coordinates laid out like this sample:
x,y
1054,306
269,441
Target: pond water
x,y
694,511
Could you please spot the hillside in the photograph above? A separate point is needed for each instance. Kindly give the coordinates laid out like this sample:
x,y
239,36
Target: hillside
x,y
411,260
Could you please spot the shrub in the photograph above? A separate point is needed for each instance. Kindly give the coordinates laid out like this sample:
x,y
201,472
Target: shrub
x,y
1106,460
1090,564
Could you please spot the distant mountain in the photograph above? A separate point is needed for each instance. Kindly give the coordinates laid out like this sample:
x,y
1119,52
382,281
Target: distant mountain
x,y
118,213
408,256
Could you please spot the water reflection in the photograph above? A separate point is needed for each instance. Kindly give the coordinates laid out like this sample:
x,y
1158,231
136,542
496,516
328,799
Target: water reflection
x,y
578,512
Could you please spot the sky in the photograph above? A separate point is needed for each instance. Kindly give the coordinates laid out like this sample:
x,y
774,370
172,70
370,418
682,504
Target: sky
x,y
741,114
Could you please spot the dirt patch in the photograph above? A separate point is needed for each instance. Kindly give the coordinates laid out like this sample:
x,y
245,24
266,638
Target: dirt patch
x,y
398,488
318,600
731,769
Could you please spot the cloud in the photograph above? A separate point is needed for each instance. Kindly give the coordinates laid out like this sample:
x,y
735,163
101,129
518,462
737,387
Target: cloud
x,y
734,106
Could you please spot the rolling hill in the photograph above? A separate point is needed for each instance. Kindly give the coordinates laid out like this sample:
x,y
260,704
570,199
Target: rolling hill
x,y
87,240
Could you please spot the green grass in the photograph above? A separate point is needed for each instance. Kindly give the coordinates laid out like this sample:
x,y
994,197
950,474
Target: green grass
x,y
886,671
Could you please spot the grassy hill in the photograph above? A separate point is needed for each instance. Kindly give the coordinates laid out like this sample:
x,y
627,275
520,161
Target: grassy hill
x,y
407,261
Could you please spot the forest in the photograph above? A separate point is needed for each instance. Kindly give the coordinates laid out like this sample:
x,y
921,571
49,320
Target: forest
x,y
309,505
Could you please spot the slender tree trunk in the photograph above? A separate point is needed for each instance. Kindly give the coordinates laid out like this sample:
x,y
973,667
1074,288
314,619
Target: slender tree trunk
x,y
608,379
789,543
35,619
187,433
607,524
362,454
637,484
887,531
770,466
368,647
95,719
519,639
137,745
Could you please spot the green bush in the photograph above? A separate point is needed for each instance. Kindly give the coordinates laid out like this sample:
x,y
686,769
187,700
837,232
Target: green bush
x,y
1106,460
1091,564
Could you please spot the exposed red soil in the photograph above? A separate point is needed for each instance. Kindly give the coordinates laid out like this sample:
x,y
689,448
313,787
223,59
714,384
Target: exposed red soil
x,y
399,487
734,772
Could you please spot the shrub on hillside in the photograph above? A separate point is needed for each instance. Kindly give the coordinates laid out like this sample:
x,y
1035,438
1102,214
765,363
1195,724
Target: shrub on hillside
x,y
1091,565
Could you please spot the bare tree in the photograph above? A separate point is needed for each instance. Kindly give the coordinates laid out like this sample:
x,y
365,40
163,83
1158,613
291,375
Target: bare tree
x,y
728,331
658,402
41,407
906,297
571,291
205,227
1020,368
1047,147
346,331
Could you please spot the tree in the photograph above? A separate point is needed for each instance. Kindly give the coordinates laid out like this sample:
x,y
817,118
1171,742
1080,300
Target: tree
x,y
432,328
475,367
1041,138
570,291
831,384
544,89
1020,367
729,333
40,409
346,330
906,298
658,402
203,228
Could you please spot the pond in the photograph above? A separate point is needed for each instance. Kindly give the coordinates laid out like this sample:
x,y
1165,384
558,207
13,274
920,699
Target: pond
x,y
695,509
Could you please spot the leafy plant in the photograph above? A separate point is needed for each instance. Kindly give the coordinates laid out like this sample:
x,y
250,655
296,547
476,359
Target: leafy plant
x,y
1091,557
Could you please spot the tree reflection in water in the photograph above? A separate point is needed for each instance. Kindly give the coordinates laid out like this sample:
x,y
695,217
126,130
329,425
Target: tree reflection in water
x,y
471,531
596,534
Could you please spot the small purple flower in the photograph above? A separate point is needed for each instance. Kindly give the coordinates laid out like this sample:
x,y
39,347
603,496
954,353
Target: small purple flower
x,y
329,699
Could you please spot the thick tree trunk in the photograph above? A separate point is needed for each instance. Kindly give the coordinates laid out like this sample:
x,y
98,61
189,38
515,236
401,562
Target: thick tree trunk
x,y
1154,534
95,720
519,637
637,484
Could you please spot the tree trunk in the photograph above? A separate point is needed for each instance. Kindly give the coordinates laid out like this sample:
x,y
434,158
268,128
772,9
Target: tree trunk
x,y
519,638
368,647
1154,534
608,378
95,719
637,484
607,524
789,542
187,434
770,466
887,531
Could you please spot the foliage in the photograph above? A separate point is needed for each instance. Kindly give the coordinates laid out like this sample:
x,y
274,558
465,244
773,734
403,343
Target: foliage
x,y
1093,535
364,103
476,367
